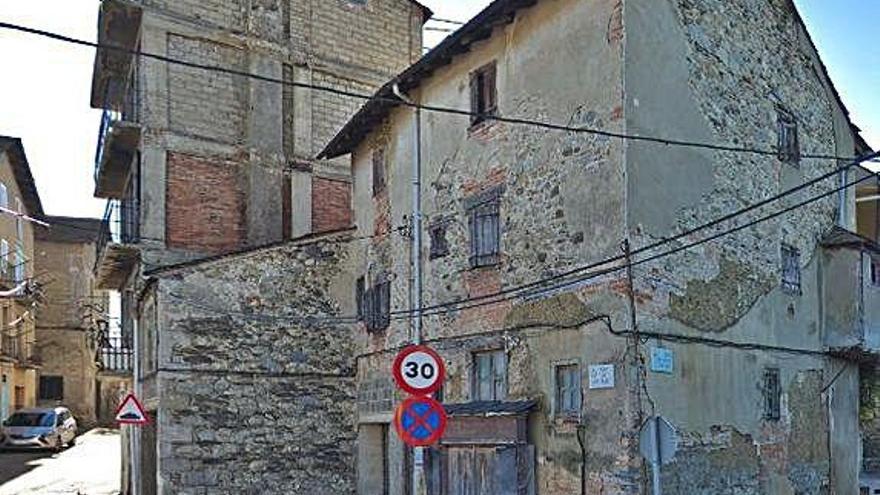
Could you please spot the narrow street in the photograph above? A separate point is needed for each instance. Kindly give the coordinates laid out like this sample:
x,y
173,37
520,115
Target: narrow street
x,y
92,467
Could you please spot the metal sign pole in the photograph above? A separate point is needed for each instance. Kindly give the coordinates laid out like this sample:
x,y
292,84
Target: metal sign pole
x,y
657,456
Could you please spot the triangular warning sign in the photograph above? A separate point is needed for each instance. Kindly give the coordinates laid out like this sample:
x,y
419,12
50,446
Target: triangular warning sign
x,y
131,412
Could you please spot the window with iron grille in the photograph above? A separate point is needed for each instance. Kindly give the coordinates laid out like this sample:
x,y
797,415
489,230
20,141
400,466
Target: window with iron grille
x,y
377,306
788,147
484,96
378,171
772,394
489,375
791,270
484,223
439,246
51,388
568,390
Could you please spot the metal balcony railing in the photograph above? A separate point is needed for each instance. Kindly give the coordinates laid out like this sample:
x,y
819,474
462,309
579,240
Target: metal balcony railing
x,y
130,113
115,354
121,224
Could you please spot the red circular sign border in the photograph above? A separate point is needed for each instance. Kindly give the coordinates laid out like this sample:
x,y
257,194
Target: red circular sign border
x,y
435,435
398,377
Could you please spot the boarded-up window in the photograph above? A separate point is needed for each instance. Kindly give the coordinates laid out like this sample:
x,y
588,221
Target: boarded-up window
x,y
791,270
485,228
772,394
490,375
51,388
788,147
378,171
484,95
568,390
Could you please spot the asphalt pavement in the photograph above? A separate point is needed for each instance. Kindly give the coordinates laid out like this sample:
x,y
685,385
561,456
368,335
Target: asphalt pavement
x,y
92,467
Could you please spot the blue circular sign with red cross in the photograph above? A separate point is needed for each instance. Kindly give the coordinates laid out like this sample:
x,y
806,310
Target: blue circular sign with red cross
x,y
420,421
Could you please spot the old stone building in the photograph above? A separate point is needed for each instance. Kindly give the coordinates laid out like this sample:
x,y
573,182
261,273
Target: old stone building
x,y
83,367
750,345
199,162
19,362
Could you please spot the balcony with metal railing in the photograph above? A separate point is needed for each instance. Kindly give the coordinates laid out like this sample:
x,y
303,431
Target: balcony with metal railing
x,y
115,355
119,137
117,251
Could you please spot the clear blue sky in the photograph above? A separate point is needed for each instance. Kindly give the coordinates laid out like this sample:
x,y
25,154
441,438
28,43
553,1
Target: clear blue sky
x,y
44,90
846,34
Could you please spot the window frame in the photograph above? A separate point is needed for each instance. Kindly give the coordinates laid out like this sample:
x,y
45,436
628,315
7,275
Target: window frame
x,y
790,281
377,305
19,221
772,392
788,141
483,91
43,387
4,195
439,243
874,271
499,380
559,409
484,221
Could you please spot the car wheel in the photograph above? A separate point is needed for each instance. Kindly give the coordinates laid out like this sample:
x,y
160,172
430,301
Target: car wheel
x,y
72,441
59,444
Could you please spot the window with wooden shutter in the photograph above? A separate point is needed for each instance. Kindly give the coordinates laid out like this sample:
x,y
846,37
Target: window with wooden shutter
x,y
788,146
377,306
568,390
485,229
484,93
489,376
378,171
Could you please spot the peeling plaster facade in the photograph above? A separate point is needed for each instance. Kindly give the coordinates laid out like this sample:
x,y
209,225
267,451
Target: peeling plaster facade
x,y
707,71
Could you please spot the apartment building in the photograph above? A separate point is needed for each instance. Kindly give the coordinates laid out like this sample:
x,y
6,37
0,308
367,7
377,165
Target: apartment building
x,y
199,163
752,345
19,363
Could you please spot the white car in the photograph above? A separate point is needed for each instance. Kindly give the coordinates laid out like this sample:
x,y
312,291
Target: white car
x,y
42,428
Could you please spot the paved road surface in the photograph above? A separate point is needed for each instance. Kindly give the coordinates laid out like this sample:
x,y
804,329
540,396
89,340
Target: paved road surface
x,y
90,468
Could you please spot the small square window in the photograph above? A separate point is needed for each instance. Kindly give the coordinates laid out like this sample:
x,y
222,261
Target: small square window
x,y
484,99
788,147
568,390
378,171
439,245
489,376
51,388
791,270
772,394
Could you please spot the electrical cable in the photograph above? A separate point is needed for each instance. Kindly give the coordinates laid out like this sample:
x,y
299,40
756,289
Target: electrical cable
x,y
395,100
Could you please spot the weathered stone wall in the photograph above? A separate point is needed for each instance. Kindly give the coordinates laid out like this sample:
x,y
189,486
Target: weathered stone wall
x,y
717,72
561,203
255,384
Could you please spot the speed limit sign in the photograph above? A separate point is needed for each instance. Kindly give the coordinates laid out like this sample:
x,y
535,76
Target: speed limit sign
x,y
419,370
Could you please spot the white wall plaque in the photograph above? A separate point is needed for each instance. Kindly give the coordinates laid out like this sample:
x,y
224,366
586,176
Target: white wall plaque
x,y
602,376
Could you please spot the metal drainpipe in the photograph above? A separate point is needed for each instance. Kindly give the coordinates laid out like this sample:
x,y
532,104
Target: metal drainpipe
x,y
419,486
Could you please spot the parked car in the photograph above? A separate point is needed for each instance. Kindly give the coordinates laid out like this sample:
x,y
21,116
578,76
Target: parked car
x,y
42,428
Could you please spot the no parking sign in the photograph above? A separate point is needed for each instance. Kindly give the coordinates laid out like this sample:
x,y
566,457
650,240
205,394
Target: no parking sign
x,y
420,421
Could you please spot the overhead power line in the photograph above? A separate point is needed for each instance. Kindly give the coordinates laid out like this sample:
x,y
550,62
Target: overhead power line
x,y
573,277
430,108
